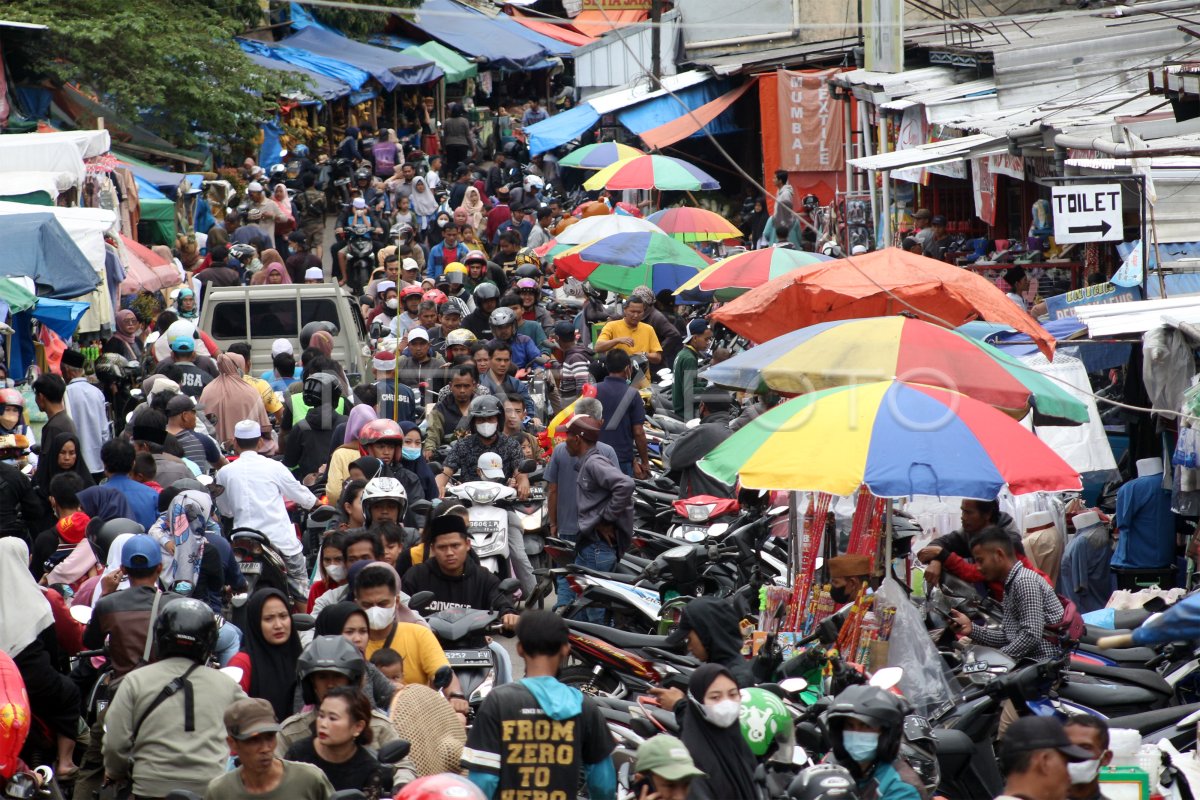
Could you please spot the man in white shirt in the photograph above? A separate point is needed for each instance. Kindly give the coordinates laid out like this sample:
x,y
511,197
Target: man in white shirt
x,y
255,489
269,213
88,410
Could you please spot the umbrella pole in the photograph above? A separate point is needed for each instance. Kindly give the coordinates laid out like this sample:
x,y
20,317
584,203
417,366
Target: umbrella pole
x,y
793,538
887,539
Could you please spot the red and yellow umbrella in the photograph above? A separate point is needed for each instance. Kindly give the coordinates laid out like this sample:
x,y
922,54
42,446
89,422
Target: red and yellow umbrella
x,y
688,224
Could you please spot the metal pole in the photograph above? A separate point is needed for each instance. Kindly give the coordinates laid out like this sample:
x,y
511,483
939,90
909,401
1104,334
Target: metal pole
x,y
848,135
656,38
886,240
1145,242
793,538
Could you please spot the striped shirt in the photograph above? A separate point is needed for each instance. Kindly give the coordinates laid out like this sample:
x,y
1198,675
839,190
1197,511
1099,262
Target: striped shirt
x,y
1029,605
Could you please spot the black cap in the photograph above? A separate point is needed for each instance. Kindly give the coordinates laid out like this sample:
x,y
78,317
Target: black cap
x,y
1040,733
938,219
564,330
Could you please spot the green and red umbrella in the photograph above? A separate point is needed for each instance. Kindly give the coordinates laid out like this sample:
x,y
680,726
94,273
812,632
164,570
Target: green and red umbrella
x,y
689,224
652,172
623,261
599,156
737,274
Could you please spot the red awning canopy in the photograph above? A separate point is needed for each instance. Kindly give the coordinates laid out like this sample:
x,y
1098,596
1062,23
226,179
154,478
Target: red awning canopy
x,y
563,33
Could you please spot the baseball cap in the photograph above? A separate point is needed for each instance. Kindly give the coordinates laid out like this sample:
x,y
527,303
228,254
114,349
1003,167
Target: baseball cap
x,y
254,186
564,330
491,466
667,757
585,427
281,346
183,343
140,552
382,287
359,203
418,333
695,327
249,717
179,404
937,219
247,429
314,274
409,264
1039,733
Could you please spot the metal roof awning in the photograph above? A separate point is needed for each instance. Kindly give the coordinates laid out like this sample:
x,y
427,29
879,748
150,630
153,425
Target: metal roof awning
x,y
980,144
1137,317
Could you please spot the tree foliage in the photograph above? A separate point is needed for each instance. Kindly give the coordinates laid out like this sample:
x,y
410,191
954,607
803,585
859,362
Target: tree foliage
x,y
173,67
359,24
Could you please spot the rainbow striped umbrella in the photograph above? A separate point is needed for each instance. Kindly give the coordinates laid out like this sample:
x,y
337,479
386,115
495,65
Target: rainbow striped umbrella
x,y
864,350
737,274
652,172
897,439
599,156
689,224
623,261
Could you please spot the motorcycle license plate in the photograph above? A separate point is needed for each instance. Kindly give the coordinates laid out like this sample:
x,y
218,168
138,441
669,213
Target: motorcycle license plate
x,y
469,658
975,666
537,493
942,709
251,567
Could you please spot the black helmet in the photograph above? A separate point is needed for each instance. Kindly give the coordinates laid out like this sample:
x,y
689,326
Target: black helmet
x,y
110,368
102,533
872,706
487,291
363,174
528,271
485,406
321,386
308,330
185,627
329,654
822,782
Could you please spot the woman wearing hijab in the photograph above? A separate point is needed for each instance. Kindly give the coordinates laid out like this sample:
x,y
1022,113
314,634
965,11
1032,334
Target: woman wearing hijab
x,y
413,459
63,454
231,399
350,621
180,530
124,341
709,725
185,304
272,274
286,223
27,635
323,341
473,204
348,451
270,649
424,204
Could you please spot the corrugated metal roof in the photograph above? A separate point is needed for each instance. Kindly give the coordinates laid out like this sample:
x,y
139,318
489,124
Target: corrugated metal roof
x,y
934,153
754,58
607,102
944,94
880,87
1138,316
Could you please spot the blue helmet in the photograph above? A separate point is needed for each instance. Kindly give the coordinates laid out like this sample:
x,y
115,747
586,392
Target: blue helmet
x,y
301,150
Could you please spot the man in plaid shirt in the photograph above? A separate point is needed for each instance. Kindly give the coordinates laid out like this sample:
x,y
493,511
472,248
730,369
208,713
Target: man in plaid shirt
x,y
1029,602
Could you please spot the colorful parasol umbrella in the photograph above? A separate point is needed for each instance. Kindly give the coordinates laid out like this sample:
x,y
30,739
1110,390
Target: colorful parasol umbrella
x,y
651,172
623,261
853,351
734,276
878,284
898,439
589,229
689,224
599,156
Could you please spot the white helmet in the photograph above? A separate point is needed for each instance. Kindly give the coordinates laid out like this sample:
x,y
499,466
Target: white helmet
x,y
380,489
532,181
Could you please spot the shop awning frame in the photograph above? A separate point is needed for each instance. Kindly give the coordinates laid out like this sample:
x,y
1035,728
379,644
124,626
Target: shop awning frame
x,y
928,155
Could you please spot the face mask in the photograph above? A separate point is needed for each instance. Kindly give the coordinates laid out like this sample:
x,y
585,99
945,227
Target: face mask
x,y
10,418
336,572
392,304
1083,772
410,453
861,745
486,429
722,714
380,619
839,594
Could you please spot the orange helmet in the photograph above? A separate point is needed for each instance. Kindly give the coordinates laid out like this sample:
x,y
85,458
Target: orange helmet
x,y
380,430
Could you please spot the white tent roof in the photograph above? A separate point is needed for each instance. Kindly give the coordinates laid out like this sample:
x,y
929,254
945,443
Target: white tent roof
x,y
52,152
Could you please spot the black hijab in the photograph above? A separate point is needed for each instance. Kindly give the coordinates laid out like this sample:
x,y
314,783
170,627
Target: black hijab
x,y
48,464
332,619
724,754
272,667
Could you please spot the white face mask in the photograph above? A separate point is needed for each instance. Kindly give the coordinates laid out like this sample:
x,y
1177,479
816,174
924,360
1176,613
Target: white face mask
x,y
336,572
393,304
486,429
1083,772
380,619
722,714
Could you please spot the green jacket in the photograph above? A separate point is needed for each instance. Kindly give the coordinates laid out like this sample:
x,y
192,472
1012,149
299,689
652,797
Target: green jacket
x,y
686,385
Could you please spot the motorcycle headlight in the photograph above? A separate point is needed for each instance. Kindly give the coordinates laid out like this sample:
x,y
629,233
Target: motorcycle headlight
x,y
484,495
491,549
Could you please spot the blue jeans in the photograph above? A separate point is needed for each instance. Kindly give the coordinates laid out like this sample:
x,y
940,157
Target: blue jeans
x,y
565,595
229,641
626,467
596,555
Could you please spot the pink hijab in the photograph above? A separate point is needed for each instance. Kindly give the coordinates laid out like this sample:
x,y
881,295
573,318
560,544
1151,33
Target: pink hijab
x,y
260,277
231,399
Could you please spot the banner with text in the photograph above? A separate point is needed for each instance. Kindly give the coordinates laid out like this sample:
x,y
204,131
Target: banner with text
x,y
616,5
810,123
983,183
1064,305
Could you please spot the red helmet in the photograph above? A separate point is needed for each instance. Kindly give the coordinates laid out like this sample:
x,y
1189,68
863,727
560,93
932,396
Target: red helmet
x,y
437,296
446,786
412,291
475,255
380,430
11,397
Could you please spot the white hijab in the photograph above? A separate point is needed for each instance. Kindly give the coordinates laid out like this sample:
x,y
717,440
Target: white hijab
x,y
25,611
112,565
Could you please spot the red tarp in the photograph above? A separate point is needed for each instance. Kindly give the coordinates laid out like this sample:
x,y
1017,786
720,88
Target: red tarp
x,y
687,124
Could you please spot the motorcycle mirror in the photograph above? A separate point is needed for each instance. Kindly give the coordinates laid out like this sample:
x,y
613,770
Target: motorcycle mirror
x,y
509,585
421,507
887,677
233,673
304,622
435,467
238,600
442,678
527,466
81,614
323,514
394,751
793,685
419,600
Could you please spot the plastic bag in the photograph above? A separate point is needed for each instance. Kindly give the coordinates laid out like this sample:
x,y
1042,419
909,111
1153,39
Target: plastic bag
x,y
909,647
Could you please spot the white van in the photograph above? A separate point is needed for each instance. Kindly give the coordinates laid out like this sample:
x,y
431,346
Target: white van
x,y
258,315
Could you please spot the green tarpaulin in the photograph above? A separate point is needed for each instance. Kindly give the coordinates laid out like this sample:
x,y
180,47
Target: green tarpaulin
x,y
159,218
454,65
16,296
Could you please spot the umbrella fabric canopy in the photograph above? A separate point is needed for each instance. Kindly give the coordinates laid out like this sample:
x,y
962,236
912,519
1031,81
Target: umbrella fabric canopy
x,y
652,172
599,156
897,439
623,261
689,224
880,348
734,276
589,229
876,284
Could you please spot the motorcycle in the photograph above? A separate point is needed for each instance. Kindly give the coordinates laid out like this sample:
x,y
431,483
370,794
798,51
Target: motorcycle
x,y
360,256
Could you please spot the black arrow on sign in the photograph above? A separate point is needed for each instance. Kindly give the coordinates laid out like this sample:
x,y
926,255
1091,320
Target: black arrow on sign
x,y
1103,228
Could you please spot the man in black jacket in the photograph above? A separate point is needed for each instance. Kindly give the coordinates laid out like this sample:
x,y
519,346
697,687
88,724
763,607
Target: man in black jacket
x,y
20,507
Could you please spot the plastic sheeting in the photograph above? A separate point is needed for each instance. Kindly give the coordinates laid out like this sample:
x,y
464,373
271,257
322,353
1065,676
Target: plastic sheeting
x,y
348,74
561,128
52,152
390,68
163,180
268,152
1180,622
320,87
476,34
21,184
455,67
37,246
661,110
553,46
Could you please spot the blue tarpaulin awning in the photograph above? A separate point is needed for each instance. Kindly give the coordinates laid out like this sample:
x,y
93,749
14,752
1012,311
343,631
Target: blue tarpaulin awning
x,y
321,87
561,128
476,34
165,181
554,47
390,68
37,246
661,110
329,67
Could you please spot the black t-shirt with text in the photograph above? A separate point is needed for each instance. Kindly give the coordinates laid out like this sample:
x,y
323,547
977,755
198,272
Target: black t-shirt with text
x,y
191,379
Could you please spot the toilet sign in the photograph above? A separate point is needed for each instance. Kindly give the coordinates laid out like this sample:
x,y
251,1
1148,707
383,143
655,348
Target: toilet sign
x,y
1087,213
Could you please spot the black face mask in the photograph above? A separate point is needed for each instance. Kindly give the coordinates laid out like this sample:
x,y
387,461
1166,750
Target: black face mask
x,y
840,594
